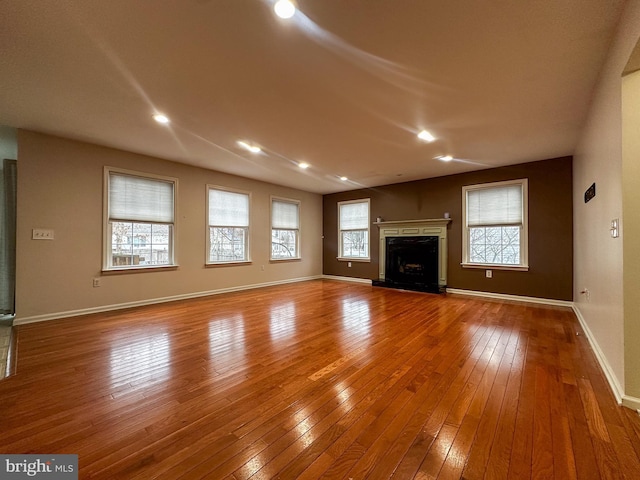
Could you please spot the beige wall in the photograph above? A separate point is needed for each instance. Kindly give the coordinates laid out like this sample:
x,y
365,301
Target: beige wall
x,y
598,258
60,188
631,207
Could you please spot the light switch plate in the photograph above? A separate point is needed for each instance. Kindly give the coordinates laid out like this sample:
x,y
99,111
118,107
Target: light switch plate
x,y
42,234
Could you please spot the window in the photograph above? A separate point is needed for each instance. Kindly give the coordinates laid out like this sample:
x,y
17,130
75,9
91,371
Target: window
x,y
228,239
495,221
285,229
139,220
353,226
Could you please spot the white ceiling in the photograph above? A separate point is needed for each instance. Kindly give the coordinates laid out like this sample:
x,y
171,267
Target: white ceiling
x,y
344,85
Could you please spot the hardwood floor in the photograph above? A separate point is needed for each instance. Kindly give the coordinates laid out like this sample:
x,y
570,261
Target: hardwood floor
x,y
320,379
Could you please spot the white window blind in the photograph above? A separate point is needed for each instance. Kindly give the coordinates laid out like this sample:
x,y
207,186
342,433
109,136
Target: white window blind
x,y
354,216
228,209
284,215
494,206
140,199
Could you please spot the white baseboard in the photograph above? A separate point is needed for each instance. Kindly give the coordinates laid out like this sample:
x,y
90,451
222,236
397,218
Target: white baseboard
x,y
120,306
631,402
615,386
516,298
366,281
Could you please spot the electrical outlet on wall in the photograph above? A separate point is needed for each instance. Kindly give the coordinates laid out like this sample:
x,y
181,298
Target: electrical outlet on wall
x,y
488,273
615,228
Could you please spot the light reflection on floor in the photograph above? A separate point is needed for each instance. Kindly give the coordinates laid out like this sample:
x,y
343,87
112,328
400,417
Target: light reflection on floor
x,y
344,396
144,359
303,427
282,321
356,316
227,344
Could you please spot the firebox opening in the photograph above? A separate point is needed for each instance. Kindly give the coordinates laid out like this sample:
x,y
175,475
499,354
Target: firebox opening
x,y
411,263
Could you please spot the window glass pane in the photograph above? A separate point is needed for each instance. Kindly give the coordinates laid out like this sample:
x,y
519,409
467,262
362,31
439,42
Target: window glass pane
x,y
121,243
354,216
284,243
227,244
140,244
228,209
355,243
140,199
160,235
497,245
284,215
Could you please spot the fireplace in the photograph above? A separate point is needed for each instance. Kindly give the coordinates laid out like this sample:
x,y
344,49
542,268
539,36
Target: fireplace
x,y
413,255
412,262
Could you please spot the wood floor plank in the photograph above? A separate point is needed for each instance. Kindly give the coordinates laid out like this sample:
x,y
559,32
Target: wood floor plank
x,y
476,463
605,456
581,440
499,458
542,447
319,379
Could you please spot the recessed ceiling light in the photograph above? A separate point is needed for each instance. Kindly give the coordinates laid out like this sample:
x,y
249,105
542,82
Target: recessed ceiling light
x,y
303,165
247,146
284,8
344,179
160,118
445,158
426,136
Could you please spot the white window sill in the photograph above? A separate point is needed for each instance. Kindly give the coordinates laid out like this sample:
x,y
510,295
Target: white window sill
x,y
138,269
494,266
292,259
228,264
353,259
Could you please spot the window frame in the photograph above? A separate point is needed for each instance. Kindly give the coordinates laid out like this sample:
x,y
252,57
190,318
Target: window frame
x,y
524,227
247,242
341,257
107,254
298,204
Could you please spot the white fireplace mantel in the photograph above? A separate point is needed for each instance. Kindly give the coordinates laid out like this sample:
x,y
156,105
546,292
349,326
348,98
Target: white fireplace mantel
x,y
416,228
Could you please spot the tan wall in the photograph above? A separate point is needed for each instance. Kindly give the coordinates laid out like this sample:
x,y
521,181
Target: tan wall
x,y
631,207
550,227
60,188
598,262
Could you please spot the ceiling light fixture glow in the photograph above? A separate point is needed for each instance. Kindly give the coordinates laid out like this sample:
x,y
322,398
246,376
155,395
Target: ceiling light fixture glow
x,y
445,158
251,148
284,9
303,165
344,179
426,136
160,118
